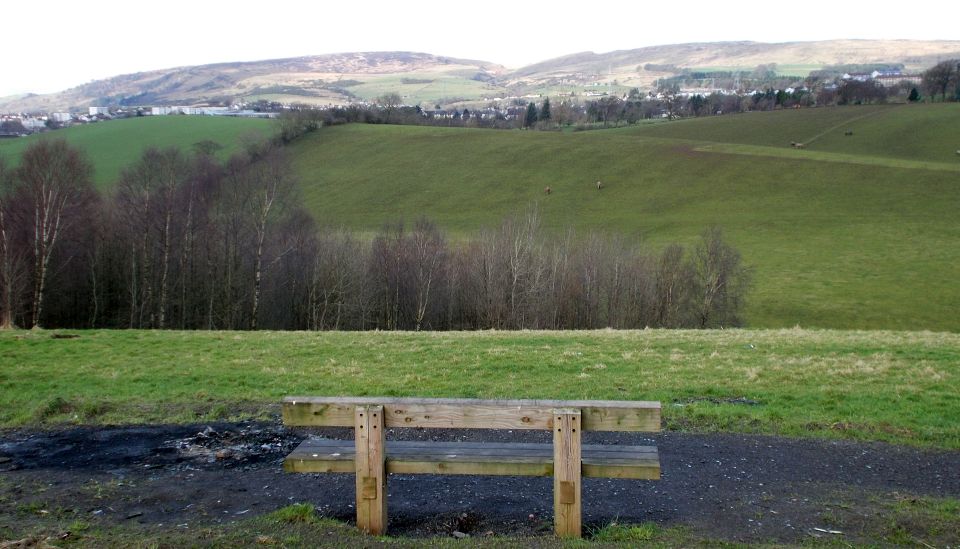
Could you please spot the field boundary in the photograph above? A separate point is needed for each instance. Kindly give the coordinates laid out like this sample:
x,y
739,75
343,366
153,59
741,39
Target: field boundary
x,y
821,156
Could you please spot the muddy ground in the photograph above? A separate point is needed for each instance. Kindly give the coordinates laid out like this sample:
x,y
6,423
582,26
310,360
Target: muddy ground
x,y
721,486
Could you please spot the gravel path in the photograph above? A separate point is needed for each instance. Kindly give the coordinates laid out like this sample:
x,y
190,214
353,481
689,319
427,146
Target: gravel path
x,y
735,487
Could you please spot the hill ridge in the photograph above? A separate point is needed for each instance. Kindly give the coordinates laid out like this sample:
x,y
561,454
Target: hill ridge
x,y
338,78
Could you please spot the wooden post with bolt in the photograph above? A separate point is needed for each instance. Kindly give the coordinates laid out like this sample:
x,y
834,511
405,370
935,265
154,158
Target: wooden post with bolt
x,y
566,472
371,473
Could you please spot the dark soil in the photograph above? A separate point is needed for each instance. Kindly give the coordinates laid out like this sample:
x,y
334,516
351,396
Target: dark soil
x,y
721,486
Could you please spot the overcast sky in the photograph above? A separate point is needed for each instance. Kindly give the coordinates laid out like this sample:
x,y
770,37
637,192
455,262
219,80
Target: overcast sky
x,y
52,45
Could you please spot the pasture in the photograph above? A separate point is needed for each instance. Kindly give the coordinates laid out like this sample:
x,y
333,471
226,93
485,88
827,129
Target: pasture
x,y
892,386
115,144
426,88
842,236
853,232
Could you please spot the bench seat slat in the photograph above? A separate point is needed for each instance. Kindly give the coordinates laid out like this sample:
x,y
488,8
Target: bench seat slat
x,y
476,458
598,415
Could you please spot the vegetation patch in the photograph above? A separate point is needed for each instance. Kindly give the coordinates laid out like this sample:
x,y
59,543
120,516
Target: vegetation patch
x,y
114,144
890,386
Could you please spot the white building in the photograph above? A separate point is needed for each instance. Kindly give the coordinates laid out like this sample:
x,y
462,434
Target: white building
x,y
33,124
94,111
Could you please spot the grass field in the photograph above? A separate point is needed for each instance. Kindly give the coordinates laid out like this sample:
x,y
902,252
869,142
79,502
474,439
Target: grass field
x,y
855,231
426,88
894,386
861,234
115,144
897,521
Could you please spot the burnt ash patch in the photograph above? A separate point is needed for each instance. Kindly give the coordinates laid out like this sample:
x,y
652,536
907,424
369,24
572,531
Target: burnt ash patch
x,y
725,486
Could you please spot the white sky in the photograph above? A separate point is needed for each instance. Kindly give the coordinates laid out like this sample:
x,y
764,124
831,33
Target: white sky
x,y
51,45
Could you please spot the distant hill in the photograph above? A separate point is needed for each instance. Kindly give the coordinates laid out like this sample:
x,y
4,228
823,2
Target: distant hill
x,y
427,79
642,67
323,79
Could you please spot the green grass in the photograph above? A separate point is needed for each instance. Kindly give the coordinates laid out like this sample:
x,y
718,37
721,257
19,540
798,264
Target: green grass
x,y
837,238
893,386
878,521
442,86
855,231
118,143
614,532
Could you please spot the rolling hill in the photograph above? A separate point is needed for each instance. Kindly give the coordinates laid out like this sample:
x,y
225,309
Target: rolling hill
x,y
855,231
427,79
321,80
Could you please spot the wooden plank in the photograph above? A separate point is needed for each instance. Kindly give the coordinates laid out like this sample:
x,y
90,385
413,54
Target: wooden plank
x,y
333,445
597,415
473,458
370,461
566,473
497,450
633,470
466,467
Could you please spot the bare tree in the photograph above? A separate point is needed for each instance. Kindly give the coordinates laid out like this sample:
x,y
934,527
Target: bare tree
x,y
520,244
429,256
673,282
54,178
6,250
720,281
938,78
149,192
271,182
389,102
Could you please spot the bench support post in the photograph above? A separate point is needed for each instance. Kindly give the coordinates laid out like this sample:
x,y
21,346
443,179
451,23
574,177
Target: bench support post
x,y
566,473
371,473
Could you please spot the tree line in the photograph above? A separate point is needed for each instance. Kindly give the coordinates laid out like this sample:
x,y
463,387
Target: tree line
x,y
186,241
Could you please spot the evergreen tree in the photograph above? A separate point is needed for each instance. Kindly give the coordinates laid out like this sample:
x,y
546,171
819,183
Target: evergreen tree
x,y
914,96
545,110
531,118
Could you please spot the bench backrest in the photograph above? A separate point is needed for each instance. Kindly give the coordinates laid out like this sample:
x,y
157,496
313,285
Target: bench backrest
x,y
461,413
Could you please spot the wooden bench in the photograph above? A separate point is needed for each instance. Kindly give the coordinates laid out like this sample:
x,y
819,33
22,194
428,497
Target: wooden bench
x,y
372,457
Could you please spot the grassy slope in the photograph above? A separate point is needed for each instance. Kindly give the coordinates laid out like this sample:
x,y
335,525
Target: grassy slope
x,y
915,132
853,232
897,386
855,241
115,144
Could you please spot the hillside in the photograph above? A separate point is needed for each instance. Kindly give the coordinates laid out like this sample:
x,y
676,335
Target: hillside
x,y
627,67
427,79
115,144
855,232
322,80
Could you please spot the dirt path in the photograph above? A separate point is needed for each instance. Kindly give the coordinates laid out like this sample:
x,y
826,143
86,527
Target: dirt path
x,y
735,487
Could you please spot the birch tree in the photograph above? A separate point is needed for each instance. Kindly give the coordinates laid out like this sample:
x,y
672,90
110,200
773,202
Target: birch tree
x,y
269,181
6,251
148,194
55,180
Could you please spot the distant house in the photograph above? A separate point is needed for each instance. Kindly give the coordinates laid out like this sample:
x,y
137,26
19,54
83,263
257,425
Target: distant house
x,y
888,81
885,73
857,77
95,111
34,124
